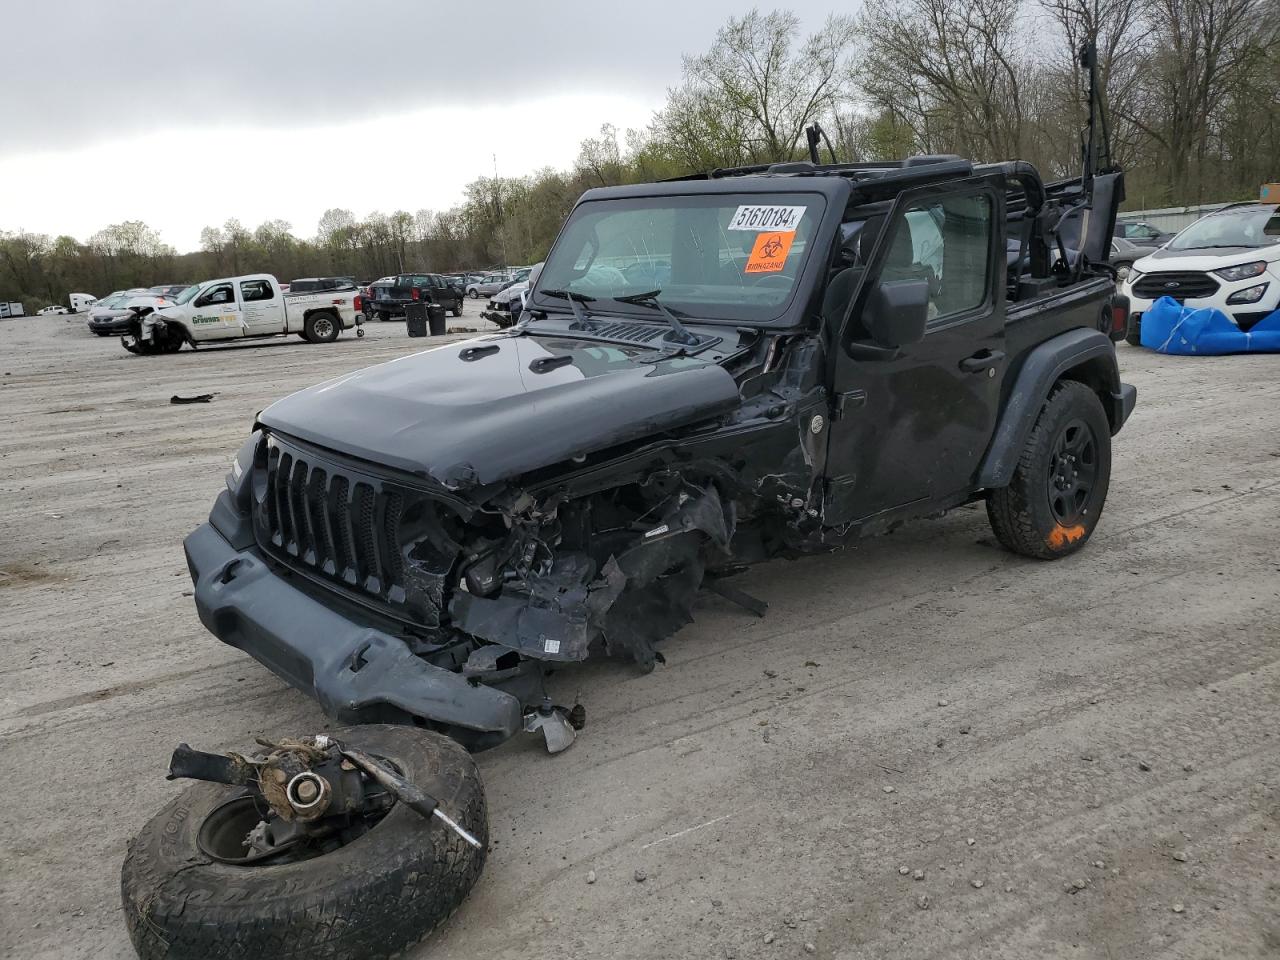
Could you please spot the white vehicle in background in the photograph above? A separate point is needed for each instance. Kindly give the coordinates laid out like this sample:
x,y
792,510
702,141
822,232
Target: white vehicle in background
x,y
80,302
507,304
1228,260
52,310
238,308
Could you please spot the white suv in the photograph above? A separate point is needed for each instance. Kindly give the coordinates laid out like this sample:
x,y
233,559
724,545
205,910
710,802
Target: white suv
x,y
1228,260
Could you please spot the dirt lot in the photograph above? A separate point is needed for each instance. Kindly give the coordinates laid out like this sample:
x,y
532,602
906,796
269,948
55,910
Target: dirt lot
x,y
925,702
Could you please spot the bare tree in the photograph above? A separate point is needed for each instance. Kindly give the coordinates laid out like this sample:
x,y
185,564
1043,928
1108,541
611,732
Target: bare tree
x,y
757,87
954,70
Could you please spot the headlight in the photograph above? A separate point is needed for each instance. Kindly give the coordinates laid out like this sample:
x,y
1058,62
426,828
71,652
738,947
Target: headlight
x,y
1248,294
1242,272
1133,277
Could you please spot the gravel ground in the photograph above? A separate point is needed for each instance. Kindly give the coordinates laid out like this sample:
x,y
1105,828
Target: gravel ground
x,y
928,748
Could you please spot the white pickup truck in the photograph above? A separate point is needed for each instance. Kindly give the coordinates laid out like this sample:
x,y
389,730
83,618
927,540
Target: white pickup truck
x,y
236,308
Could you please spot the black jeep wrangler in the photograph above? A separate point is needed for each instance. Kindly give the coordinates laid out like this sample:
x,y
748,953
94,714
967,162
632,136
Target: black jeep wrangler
x,y
752,363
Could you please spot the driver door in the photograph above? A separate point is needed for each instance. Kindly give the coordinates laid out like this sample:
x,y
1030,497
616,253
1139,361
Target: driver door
x,y
910,427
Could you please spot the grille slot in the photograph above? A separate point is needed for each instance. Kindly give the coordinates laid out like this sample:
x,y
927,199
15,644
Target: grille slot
x,y
1179,284
318,515
634,332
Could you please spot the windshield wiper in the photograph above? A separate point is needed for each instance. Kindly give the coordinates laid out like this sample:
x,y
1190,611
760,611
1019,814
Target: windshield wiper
x,y
580,316
681,333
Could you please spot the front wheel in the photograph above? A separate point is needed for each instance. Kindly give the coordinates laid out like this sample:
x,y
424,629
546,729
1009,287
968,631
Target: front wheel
x,y
1052,505
195,886
321,328
457,307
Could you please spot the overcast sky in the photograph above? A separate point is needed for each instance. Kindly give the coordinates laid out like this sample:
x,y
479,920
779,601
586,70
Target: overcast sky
x,y
183,113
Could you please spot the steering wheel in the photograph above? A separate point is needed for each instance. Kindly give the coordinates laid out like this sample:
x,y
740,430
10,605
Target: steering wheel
x,y
772,279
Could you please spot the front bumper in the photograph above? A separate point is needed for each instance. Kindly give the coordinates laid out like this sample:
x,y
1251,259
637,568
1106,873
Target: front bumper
x,y
119,325
356,672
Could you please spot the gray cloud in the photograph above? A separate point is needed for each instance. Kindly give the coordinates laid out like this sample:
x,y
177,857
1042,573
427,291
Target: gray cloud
x,y
90,70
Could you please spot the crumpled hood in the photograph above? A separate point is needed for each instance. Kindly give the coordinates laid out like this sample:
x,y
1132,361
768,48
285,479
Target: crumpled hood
x,y
491,409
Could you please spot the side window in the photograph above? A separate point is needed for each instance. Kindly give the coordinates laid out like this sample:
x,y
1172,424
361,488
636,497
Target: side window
x,y
255,290
947,242
216,295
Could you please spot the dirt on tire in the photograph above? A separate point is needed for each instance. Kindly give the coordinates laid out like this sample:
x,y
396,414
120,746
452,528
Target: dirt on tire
x,y
372,898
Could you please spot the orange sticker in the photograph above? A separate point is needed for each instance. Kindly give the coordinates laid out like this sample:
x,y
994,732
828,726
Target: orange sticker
x,y
769,255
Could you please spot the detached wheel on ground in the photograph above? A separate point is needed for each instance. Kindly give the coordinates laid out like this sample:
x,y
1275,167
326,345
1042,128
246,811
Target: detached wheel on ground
x,y
1052,505
321,328
371,895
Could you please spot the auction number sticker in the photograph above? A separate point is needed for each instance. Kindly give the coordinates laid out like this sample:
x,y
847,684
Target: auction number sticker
x,y
752,217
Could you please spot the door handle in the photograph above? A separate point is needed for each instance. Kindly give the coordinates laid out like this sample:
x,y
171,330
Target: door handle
x,y
981,360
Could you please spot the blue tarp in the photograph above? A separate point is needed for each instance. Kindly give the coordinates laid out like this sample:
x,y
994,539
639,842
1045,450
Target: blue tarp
x,y
1169,327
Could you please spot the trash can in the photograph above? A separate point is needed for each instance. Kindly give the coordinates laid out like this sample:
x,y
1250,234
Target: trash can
x,y
415,318
436,318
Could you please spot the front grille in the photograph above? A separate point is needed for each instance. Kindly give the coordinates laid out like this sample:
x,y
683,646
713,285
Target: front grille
x,y
1178,284
318,514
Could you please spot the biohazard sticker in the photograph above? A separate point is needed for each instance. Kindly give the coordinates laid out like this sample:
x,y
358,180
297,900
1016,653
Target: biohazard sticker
x,y
766,217
769,255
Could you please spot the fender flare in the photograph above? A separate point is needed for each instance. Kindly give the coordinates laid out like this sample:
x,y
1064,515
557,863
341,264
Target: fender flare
x,y
1083,354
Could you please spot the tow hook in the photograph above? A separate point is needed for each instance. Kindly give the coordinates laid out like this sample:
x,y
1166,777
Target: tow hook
x,y
314,784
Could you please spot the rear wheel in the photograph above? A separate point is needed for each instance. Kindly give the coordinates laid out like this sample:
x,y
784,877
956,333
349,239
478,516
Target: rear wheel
x,y
372,895
1052,505
321,328
457,307
473,293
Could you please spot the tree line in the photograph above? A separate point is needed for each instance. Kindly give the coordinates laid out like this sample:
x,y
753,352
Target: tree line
x,y
1190,88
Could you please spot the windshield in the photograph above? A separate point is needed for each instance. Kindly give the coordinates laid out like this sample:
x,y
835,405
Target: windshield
x,y
186,295
1253,226
733,257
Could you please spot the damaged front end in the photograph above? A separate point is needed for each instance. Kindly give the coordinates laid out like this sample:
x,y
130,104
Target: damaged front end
x,y
445,596
151,332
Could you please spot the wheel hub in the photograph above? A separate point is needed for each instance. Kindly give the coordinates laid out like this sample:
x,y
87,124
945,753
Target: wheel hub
x,y
1073,467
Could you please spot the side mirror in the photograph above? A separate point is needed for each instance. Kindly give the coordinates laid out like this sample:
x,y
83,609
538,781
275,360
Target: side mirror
x,y
896,312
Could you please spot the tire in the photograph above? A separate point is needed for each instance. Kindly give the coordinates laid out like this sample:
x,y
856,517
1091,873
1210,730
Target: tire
x,y
383,316
457,307
321,327
372,898
1133,331
1051,506
473,293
